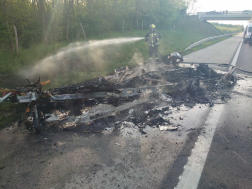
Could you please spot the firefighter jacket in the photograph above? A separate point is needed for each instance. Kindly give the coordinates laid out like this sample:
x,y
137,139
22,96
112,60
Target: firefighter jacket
x,y
153,38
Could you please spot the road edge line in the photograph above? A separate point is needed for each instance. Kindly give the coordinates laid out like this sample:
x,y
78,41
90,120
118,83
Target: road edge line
x,y
234,59
196,161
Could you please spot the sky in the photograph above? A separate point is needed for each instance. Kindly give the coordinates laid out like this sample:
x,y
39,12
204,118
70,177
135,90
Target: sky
x,y
222,5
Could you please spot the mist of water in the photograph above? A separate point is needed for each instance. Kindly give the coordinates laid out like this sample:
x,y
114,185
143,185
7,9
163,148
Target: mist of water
x,y
55,62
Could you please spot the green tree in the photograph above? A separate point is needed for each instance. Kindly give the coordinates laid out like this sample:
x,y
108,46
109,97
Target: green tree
x,y
49,21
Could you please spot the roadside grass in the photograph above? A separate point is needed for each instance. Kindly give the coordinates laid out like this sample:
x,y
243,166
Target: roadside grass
x,y
12,63
129,54
75,75
172,41
113,56
9,113
188,31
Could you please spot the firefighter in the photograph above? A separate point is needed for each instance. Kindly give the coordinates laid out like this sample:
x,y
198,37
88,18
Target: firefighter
x,y
153,38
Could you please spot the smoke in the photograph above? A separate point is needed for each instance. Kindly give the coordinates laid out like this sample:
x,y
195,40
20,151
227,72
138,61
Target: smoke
x,y
89,56
137,59
151,67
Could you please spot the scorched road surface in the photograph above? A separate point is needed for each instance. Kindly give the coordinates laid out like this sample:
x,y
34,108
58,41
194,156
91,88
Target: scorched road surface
x,y
116,158
124,157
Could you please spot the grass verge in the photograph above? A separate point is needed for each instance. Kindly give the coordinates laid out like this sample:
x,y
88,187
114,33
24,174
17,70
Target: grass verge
x,y
188,31
9,113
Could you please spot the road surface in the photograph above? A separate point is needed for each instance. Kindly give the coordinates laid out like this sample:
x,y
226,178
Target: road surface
x,y
215,143
229,163
221,155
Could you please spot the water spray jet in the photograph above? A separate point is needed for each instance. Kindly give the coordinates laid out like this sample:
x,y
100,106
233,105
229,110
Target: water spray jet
x,y
55,62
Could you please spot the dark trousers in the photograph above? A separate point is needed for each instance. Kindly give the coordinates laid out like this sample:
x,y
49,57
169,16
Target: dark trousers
x,y
153,51
250,42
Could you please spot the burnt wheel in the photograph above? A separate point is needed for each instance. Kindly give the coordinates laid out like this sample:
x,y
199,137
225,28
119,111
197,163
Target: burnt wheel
x,y
36,125
37,117
193,86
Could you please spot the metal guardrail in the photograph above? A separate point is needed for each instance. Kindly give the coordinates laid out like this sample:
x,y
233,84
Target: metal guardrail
x,y
207,39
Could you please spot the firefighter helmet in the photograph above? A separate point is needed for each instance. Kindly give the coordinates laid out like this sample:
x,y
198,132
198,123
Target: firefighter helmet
x,y
152,26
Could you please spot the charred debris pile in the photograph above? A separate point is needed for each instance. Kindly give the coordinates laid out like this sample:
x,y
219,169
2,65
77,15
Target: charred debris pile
x,y
129,97
178,86
135,98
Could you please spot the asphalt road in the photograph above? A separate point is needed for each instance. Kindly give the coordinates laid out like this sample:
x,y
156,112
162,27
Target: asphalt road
x,y
229,162
220,53
245,58
221,156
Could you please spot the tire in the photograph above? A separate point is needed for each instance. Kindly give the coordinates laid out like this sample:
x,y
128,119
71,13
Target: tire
x,y
37,119
193,86
36,125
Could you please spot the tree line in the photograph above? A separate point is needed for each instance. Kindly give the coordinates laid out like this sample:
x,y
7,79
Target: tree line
x,y
228,28
228,25
24,22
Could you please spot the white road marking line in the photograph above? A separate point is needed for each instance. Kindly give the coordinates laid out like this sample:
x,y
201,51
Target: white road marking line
x,y
234,61
194,167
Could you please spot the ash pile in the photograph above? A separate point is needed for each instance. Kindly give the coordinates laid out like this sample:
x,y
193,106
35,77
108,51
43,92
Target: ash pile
x,y
138,98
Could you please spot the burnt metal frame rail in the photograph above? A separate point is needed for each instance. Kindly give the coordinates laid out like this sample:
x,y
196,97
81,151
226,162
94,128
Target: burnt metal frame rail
x,y
123,92
148,89
219,64
33,96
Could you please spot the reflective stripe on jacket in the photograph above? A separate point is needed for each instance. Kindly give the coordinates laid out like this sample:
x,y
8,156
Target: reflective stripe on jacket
x,y
153,38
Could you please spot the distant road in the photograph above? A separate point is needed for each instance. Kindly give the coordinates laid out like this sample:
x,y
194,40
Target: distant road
x,y
221,52
245,58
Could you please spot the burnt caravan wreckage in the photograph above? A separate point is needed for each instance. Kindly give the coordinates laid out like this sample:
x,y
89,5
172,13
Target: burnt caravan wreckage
x,y
124,86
